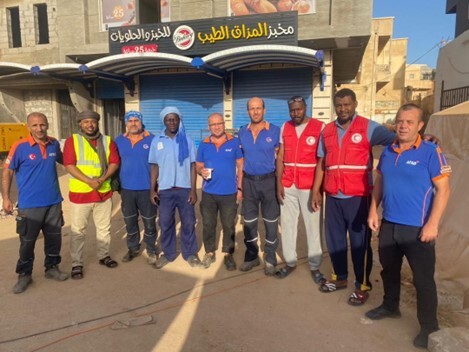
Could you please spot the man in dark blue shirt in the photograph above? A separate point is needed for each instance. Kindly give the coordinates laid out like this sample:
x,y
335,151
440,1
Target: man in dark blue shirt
x,y
260,143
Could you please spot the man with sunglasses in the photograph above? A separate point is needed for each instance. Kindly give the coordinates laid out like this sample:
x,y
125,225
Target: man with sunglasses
x,y
296,166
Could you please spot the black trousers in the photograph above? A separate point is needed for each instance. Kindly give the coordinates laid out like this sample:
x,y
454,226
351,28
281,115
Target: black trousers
x,y
260,192
396,241
29,222
210,206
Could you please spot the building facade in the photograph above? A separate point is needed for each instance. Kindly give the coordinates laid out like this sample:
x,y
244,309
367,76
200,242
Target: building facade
x,y
58,58
380,82
452,74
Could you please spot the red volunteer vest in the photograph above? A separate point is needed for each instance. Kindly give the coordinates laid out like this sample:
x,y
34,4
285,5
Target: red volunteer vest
x,y
300,154
347,166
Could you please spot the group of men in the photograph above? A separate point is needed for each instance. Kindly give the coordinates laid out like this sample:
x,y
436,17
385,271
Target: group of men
x,y
275,171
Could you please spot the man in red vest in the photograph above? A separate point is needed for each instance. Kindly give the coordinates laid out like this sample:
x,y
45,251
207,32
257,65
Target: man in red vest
x,y
345,163
296,165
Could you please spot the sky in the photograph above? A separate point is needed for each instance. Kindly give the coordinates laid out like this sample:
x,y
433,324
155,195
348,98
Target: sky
x,y
423,22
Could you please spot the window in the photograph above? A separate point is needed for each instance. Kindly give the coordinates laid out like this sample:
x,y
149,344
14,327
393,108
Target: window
x,y
41,24
14,28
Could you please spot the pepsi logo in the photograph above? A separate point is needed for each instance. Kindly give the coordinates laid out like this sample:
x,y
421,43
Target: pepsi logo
x,y
183,37
32,156
268,139
145,146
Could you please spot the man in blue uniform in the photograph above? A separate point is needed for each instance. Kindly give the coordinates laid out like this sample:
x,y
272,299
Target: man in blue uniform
x,y
134,175
413,184
220,163
173,152
260,143
34,159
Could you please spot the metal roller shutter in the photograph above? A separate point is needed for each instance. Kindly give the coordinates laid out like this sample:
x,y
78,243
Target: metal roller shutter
x,y
275,87
196,95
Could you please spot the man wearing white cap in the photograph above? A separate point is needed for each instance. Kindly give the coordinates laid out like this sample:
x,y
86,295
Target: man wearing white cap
x,y
134,175
174,152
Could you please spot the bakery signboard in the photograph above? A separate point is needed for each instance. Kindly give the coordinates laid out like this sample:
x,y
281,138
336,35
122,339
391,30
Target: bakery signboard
x,y
201,37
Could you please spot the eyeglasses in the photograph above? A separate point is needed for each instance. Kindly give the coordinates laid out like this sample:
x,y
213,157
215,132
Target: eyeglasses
x,y
216,124
297,99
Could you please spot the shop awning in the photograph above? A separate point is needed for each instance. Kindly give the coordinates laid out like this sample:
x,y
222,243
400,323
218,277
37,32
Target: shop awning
x,y
241,57
124,67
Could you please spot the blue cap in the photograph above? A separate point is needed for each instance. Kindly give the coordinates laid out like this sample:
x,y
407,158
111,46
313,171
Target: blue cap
x,y
133,113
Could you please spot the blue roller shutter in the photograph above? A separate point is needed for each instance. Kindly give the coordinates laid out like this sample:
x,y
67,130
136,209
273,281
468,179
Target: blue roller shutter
x,y
275,87
109,89
196,95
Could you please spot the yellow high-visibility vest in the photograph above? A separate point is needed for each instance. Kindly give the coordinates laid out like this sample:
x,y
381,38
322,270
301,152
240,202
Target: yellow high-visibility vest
x,y
88,163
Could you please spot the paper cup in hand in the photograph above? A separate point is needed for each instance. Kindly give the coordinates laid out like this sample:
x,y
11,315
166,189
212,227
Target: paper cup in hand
x,y
209,175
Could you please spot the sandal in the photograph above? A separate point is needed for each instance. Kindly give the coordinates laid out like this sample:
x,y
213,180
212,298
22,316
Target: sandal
x,y
77,272
358,298
282,273
331,286
318,277
108,261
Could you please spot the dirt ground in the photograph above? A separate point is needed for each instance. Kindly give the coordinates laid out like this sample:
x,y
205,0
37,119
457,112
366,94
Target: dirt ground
x,y
137,308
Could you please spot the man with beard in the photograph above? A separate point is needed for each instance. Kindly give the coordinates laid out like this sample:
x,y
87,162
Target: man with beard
x,y
90,158
296,165
173,185
134,176
34,159
345,163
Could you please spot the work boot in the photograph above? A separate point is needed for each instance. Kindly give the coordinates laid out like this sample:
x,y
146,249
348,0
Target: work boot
x,y
209,258
152,258
24,280
54,273
246,266
130,255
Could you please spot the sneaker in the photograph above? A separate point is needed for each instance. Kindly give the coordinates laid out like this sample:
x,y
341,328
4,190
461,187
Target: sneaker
x,y
152,258
130,255
194,261
246,266
161,262
24,280
54,273
209,258
269,269
229,262
382,312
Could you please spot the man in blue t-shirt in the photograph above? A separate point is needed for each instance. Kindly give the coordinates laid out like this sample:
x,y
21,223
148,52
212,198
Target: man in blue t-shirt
x,y
134,175
220,163
34,159
260,143
413,184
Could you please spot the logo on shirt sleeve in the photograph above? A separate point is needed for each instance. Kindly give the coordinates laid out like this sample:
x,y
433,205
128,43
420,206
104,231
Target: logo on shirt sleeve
x,y
357,138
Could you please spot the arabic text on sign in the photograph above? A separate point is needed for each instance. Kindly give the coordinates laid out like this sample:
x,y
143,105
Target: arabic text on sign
x,y
140,34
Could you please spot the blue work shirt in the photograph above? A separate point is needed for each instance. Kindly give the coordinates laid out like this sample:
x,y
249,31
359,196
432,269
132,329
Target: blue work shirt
x,y
259,154
36,172
377,135
407,179
134,172
223,162
164,152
